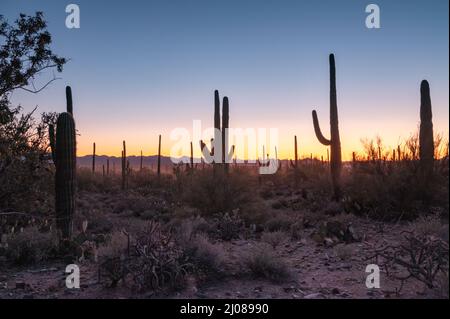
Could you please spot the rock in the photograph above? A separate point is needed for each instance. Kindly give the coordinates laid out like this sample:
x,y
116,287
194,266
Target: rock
x,y
335,291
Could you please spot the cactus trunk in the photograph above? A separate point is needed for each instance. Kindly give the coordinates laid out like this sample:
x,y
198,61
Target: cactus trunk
x,y
93,158
159,157
124,165
65,155
426,143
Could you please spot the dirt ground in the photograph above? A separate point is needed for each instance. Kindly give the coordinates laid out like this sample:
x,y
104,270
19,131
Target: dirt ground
x,y
318,271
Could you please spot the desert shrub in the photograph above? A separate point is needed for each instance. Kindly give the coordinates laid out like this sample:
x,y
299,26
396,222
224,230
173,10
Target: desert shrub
x,y
205,256
343,251
392,190
31,246
281,222
216,192
155,260
263,262
229,225
430,225
187,228
275,238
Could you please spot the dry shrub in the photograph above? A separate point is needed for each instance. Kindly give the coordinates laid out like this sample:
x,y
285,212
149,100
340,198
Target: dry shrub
x,y
275,238
263,262
279,222
430,225
216,192
31,246
206,257
229,226
343,251
155,260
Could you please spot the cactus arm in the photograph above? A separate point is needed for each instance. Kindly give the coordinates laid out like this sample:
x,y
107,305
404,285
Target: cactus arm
x,y
317,130
207,154
216,110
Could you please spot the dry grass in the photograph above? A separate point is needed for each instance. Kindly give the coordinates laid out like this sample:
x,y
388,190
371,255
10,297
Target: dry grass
x,y
263,262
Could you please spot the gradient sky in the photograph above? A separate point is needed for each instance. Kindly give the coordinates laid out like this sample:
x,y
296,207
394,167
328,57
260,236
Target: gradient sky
x,y
143,68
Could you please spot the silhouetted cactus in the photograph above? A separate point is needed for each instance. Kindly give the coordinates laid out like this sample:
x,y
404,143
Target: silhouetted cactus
x,y
220,133
426,143
93,158
69,100
192,157
65,156
334,141
159,157
295,163
124,166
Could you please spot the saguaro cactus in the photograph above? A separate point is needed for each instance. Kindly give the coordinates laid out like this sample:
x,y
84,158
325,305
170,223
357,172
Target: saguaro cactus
x,y
124,166
426,143
220,140
65,162
295,163
93,158
334,141
159,157
63,149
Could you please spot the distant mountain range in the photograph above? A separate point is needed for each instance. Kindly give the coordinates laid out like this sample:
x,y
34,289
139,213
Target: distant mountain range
x,y
135,161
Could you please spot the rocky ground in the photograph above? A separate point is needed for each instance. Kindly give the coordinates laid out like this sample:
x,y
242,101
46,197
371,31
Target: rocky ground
x,y
321,266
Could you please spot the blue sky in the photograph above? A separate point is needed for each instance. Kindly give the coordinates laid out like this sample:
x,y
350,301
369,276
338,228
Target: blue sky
x,y
142,68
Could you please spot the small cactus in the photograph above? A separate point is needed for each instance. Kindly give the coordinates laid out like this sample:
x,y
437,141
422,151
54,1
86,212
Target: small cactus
x,y
334,142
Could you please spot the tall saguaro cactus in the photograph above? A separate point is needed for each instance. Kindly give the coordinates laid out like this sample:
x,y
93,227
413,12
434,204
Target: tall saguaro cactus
x,y
426,143
295,163
334,141
65,156
93,158
124,166
63,148
219,143
159,157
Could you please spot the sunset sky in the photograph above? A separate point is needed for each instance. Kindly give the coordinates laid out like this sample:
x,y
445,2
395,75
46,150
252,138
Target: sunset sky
x,y
142,68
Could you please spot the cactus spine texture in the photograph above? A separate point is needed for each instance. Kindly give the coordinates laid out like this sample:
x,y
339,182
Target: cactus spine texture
x,y
334,141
